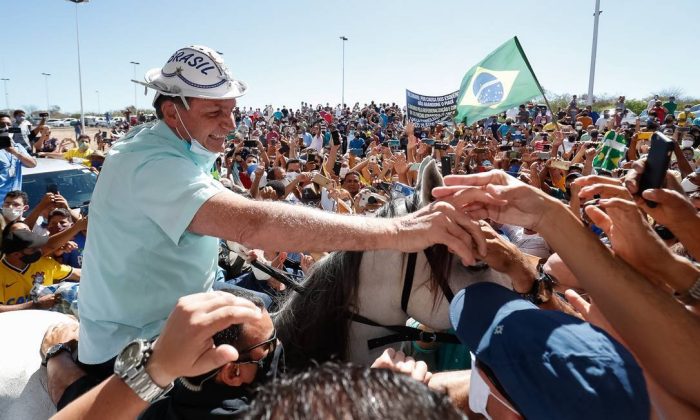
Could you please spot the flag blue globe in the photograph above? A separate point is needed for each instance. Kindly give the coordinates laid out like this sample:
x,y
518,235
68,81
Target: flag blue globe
x,y
487,89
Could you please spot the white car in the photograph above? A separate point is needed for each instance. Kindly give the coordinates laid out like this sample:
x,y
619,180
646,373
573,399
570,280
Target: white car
x,y
73,181
630,117
69,121
54,122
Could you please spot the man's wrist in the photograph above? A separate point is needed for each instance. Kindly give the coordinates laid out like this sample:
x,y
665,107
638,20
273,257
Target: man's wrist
x,y
157,373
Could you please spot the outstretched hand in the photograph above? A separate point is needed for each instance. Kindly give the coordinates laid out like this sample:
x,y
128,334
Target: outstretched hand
x,y
185,346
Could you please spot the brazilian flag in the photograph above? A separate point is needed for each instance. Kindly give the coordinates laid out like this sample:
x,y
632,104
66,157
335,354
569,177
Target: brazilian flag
x,y
502,80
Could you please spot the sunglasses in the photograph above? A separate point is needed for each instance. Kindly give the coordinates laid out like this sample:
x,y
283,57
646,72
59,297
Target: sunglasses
x,y
244,355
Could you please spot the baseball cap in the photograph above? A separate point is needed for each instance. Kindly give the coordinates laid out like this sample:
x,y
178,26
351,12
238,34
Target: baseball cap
x,y
550,364
20,239
195,71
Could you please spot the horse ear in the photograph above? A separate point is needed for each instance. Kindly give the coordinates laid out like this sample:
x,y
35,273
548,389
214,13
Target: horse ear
x,y
429,177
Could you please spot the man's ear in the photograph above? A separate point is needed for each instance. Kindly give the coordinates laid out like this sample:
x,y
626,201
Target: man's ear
x,y
25,208
230,375
169,113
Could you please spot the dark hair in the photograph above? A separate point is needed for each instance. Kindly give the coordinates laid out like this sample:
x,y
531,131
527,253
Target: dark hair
x,y
290,161
340,391
161,99
232,334
59,213
278,186
356,173
17,193
3,115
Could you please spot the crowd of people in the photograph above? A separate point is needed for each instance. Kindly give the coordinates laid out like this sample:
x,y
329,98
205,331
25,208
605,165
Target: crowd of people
x,y
562,185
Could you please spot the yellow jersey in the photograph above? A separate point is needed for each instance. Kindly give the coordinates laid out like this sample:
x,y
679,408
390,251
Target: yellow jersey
x,y
16,283
80,157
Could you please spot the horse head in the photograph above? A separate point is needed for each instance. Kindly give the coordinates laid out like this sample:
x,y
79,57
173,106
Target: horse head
x,y
317,326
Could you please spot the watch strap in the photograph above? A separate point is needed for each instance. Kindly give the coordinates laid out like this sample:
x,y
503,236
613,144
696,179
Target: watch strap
x,y
138,379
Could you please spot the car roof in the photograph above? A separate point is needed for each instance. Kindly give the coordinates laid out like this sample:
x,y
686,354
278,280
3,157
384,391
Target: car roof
x,y
45,165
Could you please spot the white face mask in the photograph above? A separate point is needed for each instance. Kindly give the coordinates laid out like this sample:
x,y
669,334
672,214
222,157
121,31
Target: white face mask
x,y
687,185
343,171
11,213
196,147
478,394
687,143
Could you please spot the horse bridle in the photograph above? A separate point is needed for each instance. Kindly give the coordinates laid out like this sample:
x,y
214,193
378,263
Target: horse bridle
x,y
402,332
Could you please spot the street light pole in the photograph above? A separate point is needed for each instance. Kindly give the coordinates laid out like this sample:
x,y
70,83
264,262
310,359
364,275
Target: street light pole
x,y
591,77
343,39
136,106
46,80
98,102
80,75
7,97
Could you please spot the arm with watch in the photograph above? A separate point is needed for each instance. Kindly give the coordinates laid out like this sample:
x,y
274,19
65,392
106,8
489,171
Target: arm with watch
x,y
145,370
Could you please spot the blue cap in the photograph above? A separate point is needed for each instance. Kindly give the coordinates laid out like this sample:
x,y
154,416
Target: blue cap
x,y
550,364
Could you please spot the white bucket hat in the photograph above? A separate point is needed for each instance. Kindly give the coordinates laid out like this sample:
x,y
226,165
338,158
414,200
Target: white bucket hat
x,y
195,71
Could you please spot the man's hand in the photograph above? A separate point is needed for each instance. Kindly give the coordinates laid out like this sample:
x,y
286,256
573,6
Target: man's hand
x,y
185,346
307,261
60,202
47,301
400,164
441,223
66,248
400,363
497,196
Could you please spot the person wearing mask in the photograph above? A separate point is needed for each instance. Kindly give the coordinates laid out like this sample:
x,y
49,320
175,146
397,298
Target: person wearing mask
x,y
12,159
80,154
27,135
685,118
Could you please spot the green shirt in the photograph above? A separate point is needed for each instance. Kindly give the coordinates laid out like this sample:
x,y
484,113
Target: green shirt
x,y
671,107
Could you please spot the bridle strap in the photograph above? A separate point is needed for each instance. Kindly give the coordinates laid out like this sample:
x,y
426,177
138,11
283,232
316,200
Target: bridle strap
x,y
402,333
408,280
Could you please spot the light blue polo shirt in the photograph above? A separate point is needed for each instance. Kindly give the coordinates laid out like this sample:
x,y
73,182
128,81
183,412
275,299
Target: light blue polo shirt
x,y
139,257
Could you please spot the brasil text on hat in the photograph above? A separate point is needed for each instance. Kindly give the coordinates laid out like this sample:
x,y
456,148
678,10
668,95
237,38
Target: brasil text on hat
x,y
195,71
549,364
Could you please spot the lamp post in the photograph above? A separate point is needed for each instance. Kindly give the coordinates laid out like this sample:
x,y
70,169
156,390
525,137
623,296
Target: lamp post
x,y
591,76
80,75
46,81
342,97
7,100
136,106
98,102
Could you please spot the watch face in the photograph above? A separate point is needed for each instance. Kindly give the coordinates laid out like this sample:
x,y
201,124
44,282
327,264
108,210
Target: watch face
x,y
129,357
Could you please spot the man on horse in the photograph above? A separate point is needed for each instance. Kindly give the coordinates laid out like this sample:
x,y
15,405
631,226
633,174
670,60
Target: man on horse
x,y
157,211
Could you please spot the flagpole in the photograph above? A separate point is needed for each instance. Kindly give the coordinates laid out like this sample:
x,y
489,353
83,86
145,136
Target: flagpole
x,y
534,76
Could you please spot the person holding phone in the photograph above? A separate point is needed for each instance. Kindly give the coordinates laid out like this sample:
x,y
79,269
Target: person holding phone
x,y
13,157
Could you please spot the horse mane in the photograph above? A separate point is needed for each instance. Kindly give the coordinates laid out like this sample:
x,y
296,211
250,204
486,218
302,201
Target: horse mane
x,y
314,326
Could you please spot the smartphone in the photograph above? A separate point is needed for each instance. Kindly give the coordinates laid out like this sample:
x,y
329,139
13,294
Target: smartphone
x,y
414,166
513,155
356,152
250,143
561,164
321,180
544,155
336,137
441,146
52,188
446,165
429,142
336,167
657,163
43,114
505,148
394,143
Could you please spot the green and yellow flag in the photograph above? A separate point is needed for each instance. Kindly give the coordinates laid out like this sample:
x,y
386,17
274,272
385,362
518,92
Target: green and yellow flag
x,y
611,151
500,81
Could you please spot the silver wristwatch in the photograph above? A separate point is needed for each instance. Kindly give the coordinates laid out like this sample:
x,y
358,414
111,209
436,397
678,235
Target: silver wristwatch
x,y
130,366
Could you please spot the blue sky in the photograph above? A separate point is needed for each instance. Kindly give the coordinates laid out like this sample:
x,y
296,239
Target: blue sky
x,y
288,52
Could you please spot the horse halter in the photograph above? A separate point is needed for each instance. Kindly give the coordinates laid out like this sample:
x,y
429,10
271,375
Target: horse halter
x,y
402,332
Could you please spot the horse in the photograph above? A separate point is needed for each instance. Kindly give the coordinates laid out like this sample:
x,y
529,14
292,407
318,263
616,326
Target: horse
x,y
23,382
351,297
